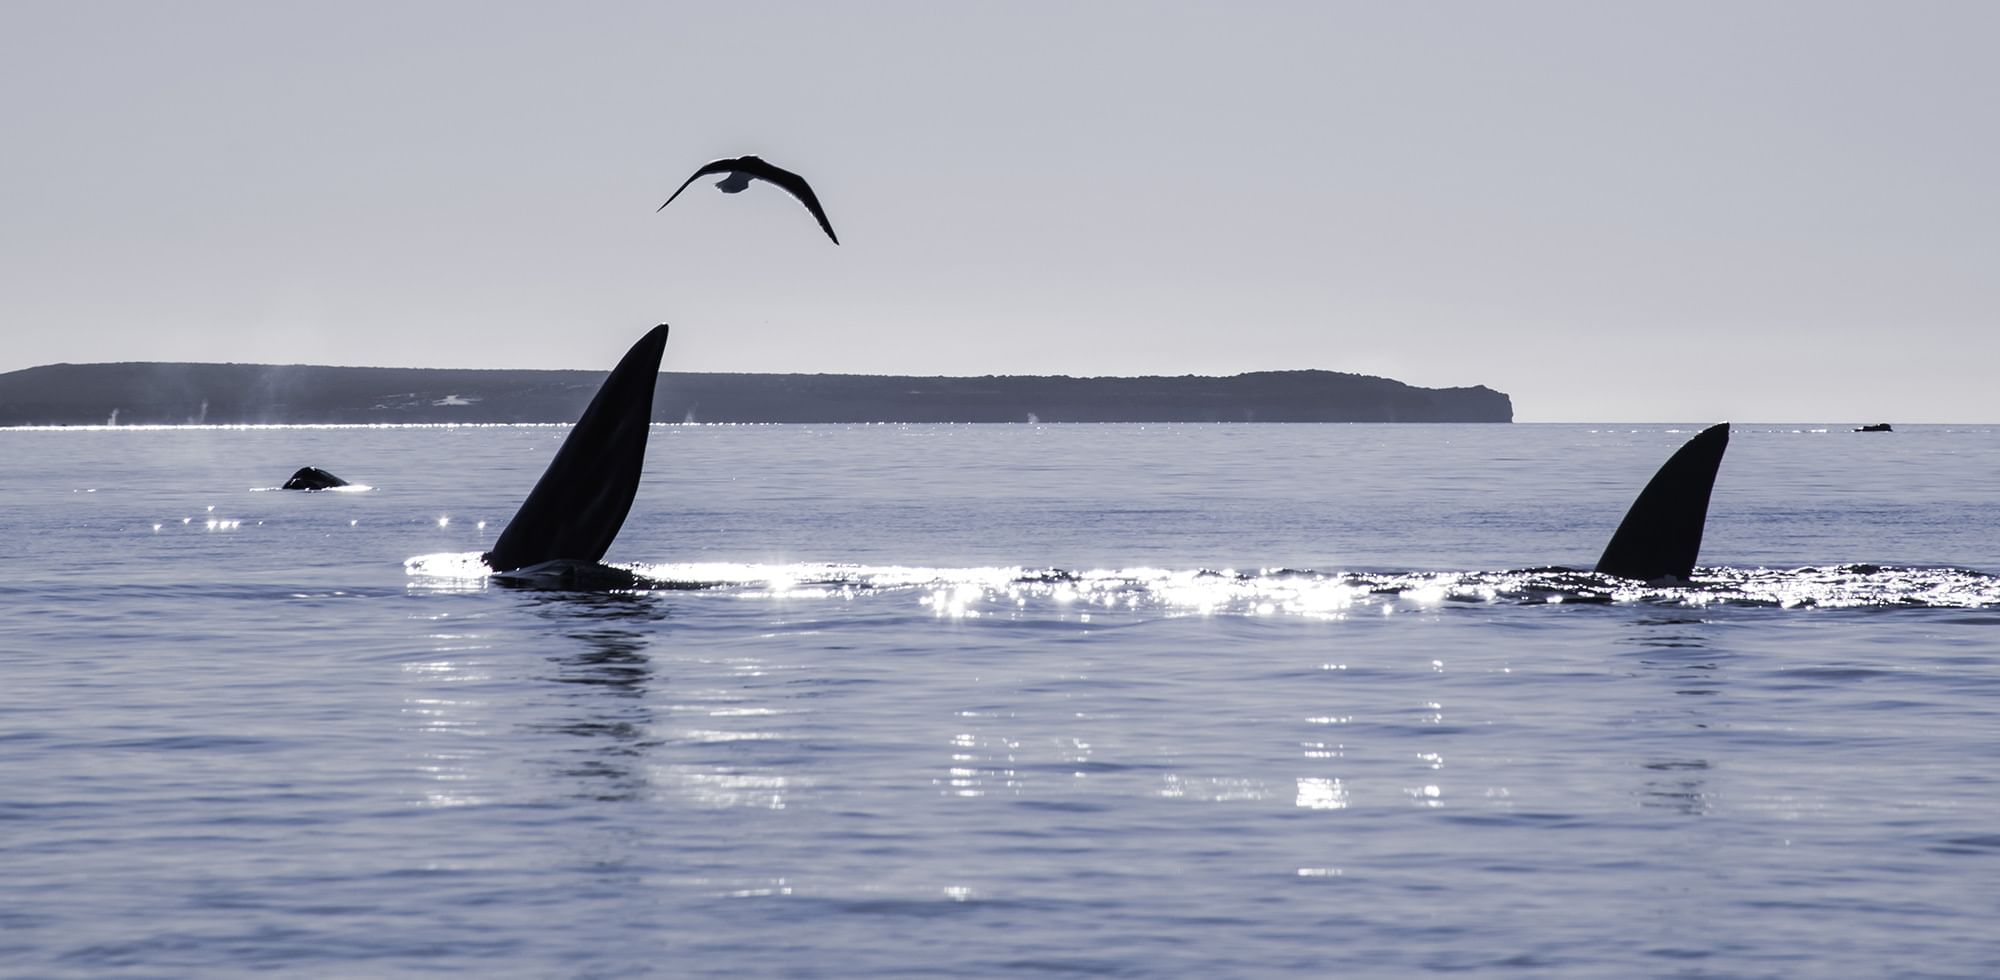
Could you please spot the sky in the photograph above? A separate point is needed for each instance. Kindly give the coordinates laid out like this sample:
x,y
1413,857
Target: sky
x,y
1686,211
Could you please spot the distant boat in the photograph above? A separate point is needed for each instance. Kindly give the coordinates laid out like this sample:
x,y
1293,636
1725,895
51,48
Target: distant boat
x,y
1877,427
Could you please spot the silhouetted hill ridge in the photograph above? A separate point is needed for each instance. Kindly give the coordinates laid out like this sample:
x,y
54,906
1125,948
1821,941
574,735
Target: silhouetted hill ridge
x,y
154,393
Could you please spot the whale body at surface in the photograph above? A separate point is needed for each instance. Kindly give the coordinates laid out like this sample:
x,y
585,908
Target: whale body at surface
x,y
313,478
577,508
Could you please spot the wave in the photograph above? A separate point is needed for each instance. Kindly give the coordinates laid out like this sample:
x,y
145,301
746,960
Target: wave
x,y
972,592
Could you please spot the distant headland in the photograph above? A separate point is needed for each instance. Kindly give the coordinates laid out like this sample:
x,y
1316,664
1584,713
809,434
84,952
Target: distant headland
x,y
158,393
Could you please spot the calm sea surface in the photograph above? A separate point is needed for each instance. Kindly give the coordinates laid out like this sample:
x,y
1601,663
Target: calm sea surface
x,y
1010,700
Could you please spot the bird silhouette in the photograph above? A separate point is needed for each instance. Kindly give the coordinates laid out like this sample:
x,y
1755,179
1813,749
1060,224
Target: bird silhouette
x,y
742,170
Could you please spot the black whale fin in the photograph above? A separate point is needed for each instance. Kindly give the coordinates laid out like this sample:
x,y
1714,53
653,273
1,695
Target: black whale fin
x,y
582,498
1661,534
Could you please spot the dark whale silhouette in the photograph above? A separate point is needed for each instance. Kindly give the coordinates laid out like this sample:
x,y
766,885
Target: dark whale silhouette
x,y
1661,534
742,170
313,478
582,498
580,503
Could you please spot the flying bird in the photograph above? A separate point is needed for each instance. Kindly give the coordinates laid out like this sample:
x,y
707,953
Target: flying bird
x,y
742,170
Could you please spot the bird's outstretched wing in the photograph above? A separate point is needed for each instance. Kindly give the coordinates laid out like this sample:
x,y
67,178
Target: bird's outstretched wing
x,y
711,167
792,183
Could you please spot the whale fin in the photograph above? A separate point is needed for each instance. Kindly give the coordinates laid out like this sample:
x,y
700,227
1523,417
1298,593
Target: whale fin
x,y
582,498
1661,534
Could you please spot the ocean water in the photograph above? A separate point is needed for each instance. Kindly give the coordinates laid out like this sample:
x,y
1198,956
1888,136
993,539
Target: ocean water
x,y
1008,700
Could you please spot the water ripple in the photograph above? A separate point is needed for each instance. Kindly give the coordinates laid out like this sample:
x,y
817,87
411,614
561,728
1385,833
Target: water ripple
x,y
970,593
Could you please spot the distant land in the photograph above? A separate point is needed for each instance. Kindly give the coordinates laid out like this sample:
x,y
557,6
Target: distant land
x,y
156,393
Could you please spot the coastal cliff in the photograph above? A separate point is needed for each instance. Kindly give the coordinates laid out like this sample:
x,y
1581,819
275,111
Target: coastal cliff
x,y
156,393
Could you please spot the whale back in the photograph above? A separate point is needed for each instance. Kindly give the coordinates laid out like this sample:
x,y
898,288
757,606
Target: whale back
x,y
313,478
579,504
1661,534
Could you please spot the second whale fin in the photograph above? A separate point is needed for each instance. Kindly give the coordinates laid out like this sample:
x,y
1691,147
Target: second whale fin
x,y
1661,534
580,503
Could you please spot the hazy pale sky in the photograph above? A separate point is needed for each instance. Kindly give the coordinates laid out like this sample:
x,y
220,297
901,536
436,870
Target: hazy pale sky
x,y
1768,211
